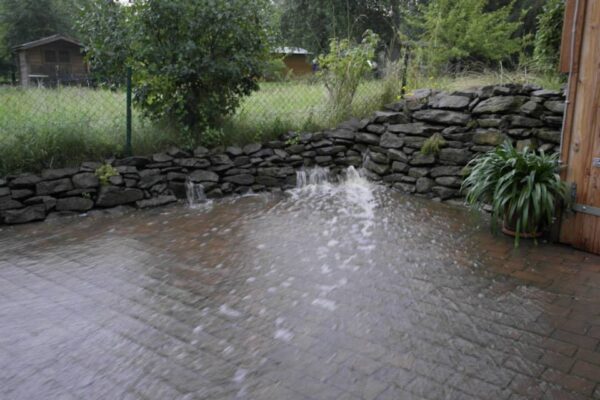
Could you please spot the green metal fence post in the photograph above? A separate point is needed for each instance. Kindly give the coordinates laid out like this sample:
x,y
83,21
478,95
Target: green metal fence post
x,y
128,150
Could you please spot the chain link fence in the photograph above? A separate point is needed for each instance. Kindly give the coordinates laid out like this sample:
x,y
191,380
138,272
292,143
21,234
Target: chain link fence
x,y
48,125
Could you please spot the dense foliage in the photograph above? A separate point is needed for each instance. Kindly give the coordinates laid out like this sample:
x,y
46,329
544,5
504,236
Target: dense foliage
x,y
548,36
458,32
523,187
192,61
343,68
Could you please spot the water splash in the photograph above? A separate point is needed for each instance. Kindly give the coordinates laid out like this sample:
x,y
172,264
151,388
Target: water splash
x,y
194,193
312,176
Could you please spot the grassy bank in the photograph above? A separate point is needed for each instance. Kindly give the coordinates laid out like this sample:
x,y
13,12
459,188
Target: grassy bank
x,y
43,128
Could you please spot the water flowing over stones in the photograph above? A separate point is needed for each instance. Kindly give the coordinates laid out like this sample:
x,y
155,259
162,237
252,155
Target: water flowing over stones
x,y
388,146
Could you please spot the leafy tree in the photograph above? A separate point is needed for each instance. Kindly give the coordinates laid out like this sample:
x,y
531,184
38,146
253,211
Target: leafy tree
x,y
546,52
192,61
459,32
343,68
311,24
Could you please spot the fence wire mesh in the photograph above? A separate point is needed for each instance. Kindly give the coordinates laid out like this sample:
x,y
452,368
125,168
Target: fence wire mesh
x,y
43,126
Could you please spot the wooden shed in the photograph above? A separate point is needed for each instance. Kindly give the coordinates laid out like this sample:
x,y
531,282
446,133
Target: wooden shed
x,y
296,59
580,147
51,60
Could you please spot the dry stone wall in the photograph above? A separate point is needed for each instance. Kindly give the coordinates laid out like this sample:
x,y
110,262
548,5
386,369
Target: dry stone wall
x,y
388,146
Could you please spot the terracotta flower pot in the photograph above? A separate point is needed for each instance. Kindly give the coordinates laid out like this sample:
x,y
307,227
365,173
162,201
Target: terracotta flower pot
x,y
508,228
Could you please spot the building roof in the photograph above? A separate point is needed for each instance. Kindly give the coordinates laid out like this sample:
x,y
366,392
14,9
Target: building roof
x,y
290,50
47,40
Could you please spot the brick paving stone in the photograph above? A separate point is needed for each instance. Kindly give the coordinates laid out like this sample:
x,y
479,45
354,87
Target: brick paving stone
x,y
294,298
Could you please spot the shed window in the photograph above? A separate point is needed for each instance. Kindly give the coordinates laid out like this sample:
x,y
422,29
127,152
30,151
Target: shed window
x,y
50,56
64,56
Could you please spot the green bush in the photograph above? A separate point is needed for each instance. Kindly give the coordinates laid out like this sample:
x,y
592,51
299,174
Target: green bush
x,y
343,69
462,32
192,60
523,187
546,53
433,144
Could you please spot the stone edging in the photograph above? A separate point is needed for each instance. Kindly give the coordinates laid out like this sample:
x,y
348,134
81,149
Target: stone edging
x,y
387,145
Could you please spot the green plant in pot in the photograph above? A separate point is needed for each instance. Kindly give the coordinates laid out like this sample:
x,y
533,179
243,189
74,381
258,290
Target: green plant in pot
x,y
523,188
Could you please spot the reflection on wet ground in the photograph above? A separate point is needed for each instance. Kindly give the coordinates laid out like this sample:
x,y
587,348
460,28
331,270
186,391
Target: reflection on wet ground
x,y
345,291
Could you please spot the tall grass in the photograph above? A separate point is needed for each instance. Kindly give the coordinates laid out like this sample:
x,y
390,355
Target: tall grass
x,y
299,105
45,128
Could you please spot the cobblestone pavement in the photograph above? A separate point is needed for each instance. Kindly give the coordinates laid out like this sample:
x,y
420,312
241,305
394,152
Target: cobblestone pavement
x,y
346,293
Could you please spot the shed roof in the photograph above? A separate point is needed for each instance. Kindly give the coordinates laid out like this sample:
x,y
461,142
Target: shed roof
x,y
47,40
290,50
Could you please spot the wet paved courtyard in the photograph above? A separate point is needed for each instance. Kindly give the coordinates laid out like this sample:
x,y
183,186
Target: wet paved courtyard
x,y
330,292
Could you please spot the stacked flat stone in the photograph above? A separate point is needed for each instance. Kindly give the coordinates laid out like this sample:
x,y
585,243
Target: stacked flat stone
x,y
387,145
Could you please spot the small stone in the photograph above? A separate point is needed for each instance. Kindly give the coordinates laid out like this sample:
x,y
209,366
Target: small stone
x,y
161,158
397,155
557,107
24,215
446,171
450,102
422,159
489,137
499,105
47,201
156,201
548,135
442,117
526,143
4,191
398,166
203,176
418,172
379,169
74,204
50,174
252,148
53,187
243,180
449,181
8,203
19,194
423,185
376,129
391,141
456,156
135,161
220,159
343,134
111,196
85,180
116,180
444,192
24,181
532,108
390,117
234,151
201,151
524,122
148,181
368,138
378,157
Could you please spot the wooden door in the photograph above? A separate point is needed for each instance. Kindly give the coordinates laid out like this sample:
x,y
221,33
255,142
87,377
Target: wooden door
x,y
581,143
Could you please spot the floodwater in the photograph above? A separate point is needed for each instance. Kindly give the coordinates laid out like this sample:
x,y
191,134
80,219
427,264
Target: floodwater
x,y
334,290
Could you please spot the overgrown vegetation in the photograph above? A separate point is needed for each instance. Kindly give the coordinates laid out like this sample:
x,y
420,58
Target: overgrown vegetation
x,y
192,61
546,52
523,188
343,69
433,144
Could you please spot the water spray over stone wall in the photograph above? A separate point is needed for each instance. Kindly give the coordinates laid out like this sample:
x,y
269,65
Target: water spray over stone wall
x,y
387,146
